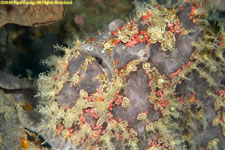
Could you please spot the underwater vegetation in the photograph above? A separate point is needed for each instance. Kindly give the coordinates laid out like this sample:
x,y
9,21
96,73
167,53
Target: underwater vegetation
x,y
154,82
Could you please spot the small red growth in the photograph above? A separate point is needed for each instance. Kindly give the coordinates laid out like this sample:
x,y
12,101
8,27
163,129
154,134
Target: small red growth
x,y
59,128
145,38
181,7
156,144
186,65
146,16
82,119
89,98
91,39
175,73
145,55
178,28
194,20
115,41
159,93
119,29
171,27
55,77
116,61
112,103
119,100
179,70
175,28
139,36
65,65
193,8
104,131
24,143
114,32
92,113
160,102
192,99
222,93
131,43
163,103
96,127
71,132
192,13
